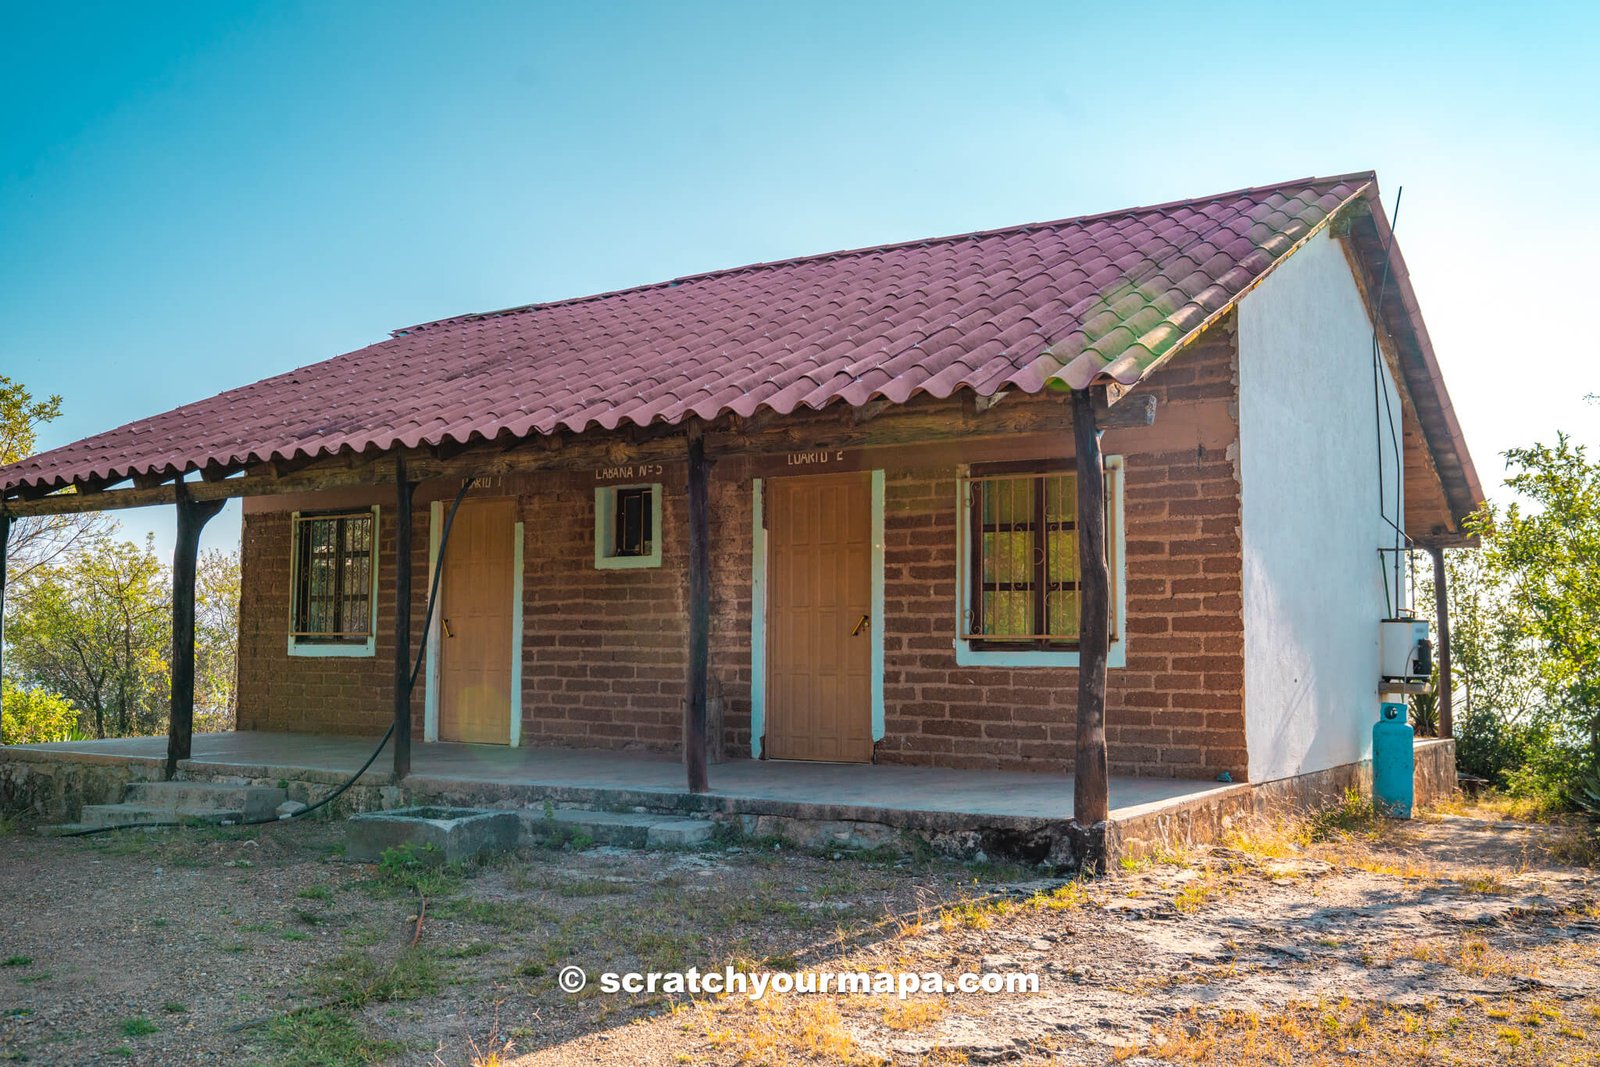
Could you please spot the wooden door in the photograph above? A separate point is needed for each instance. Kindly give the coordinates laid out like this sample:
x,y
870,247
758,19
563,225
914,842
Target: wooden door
x,y
819,635
475,624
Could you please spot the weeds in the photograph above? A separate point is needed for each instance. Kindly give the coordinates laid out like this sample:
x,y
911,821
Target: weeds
x,y
355,979
408,869
1354,816
319,1037
1067,897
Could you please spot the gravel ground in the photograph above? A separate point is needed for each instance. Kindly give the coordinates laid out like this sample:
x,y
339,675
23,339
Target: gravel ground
x,y
1446,940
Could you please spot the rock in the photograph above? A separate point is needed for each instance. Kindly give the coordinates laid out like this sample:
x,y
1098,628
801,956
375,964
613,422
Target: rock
x,y
290,808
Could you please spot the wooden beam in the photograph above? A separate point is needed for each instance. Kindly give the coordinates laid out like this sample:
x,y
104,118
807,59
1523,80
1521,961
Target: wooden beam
x,y
694,721
912,423
402,622
5,541
151,481
1091,801
1441,607
192,518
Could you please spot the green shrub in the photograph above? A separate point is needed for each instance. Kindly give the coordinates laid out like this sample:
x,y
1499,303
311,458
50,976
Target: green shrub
x,y
33,716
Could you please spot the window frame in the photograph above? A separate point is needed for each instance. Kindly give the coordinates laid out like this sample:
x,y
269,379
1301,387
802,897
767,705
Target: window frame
x,y
1031,652
605,527
306,645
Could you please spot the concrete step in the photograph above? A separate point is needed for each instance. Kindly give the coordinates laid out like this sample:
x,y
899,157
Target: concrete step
x,y
96,816
255,801
621,829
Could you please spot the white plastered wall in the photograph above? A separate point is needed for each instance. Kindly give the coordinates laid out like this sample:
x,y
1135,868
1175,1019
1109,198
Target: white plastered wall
x,y
1310,453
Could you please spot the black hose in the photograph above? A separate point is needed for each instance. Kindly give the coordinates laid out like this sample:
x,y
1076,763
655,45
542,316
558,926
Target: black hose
x,y
411,684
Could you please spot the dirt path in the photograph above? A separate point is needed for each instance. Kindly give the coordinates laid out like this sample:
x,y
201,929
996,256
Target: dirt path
x,y
1450,940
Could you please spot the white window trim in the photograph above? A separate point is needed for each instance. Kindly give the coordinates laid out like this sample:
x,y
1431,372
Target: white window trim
x,y
605,510
1116,546
332,650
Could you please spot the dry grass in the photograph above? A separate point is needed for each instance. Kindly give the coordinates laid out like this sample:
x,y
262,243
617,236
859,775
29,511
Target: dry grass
x,y
1496,806
976,913
1069,897
776,1031
1197,891
1471,955
1272,839
916,1013
1528,1033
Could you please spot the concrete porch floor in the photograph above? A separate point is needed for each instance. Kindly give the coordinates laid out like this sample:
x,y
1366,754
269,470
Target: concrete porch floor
x,y
843,790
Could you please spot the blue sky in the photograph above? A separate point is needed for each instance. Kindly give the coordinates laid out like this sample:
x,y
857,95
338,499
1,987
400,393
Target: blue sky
x,y
193,196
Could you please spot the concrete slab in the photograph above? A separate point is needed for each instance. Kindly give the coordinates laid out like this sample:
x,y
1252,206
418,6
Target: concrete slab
x,y
445,835
622,829
251,802
445,767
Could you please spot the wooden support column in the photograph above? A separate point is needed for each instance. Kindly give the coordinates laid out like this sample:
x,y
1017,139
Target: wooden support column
x,y
402,620
5,542
192,517
694,719
1441,606
1091,801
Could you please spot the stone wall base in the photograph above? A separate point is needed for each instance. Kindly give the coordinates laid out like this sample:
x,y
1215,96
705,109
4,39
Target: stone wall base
x,y
48,788
1205,821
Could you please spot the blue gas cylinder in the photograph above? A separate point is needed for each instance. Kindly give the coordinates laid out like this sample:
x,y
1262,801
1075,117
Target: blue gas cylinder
x,y
1393,765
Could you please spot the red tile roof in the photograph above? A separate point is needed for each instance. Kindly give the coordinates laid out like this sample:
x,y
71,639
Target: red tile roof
x,y
1102,296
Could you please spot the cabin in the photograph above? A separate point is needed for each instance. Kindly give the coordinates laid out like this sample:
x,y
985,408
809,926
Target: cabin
x,y
1121,498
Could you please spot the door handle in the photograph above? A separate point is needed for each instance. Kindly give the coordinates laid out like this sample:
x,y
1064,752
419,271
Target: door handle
x,y
861,624
447,632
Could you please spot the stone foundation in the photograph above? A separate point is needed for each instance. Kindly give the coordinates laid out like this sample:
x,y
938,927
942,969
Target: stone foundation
x,y
50,787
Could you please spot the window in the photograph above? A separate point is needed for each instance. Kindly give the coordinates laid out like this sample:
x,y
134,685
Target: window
x,y
627,525
334,583
1020,591
632,525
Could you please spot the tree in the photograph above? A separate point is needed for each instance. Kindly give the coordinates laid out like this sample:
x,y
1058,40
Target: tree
x,y
20,418
35,540
1525,616
88,623
216,641
96,628
1500,717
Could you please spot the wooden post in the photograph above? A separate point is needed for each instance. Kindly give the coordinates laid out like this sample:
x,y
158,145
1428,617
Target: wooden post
x,y
1091,801
5,542
192,517
1441,606
694,721
402,621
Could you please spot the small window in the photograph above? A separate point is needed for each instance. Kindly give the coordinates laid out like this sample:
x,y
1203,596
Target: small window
x,y
633,524
333,576
627,526
1020,583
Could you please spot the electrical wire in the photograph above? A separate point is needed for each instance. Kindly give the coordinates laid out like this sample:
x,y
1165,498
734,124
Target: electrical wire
x,y
411,684
1383,410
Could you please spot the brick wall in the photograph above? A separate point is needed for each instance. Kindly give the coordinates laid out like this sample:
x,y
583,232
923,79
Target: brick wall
x,y
605,655
606,650
1177,707
343,695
